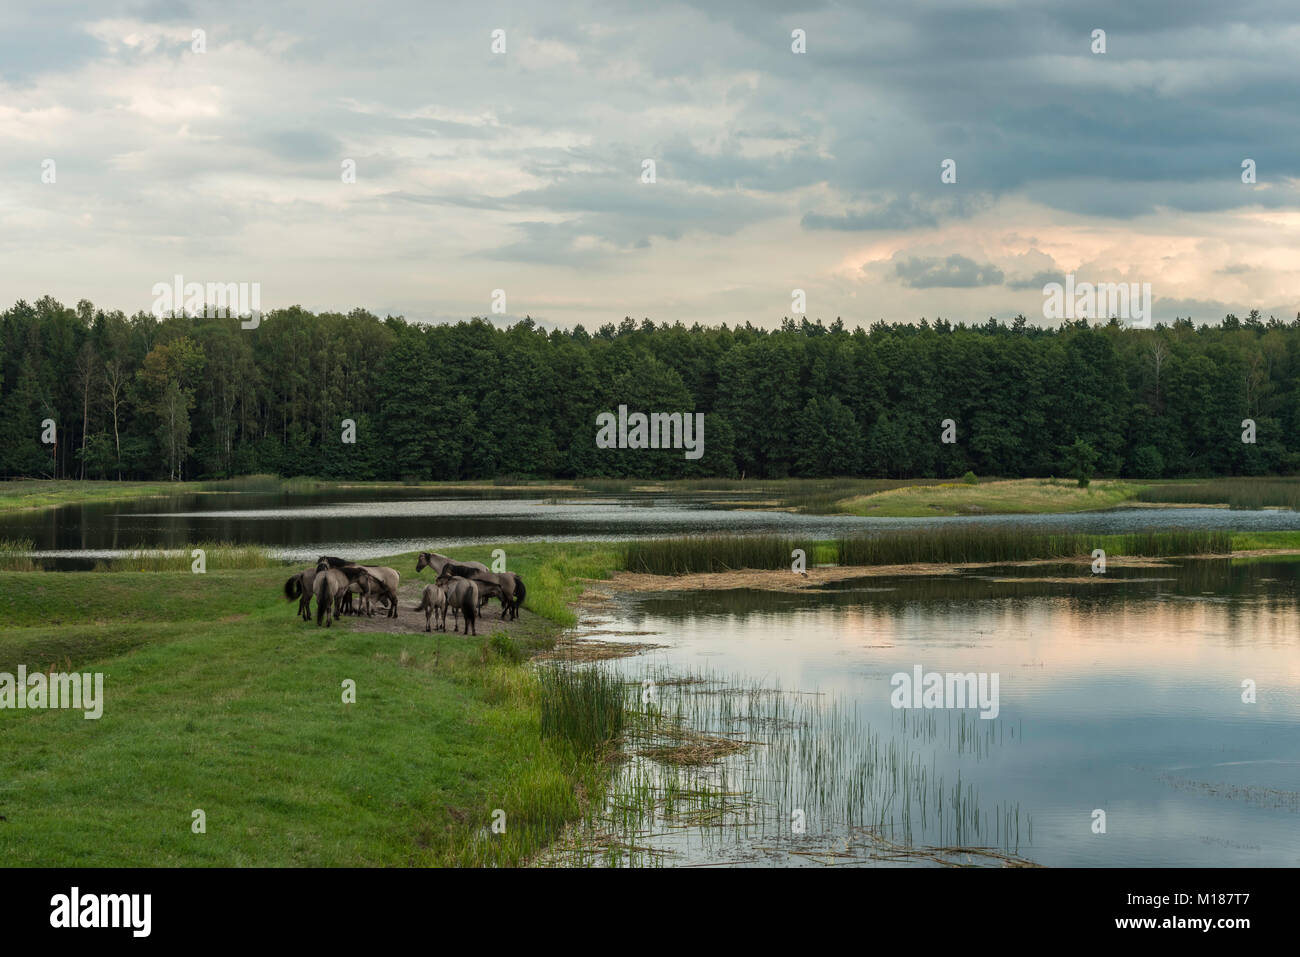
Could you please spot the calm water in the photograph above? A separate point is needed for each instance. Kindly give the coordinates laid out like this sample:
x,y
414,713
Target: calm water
x,y
1124,696
367,523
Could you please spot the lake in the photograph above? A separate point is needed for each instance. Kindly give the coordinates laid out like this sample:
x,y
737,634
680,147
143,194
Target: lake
x,y
367,523
1122,696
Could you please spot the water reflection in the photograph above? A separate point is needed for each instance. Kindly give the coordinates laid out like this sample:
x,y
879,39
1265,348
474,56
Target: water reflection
x,y
1125,697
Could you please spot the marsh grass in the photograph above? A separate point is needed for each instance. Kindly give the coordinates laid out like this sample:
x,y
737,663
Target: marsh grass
x,y
15,555
967,543
950,545
583,706
1233,492
715,765
217,556
708,553
261,483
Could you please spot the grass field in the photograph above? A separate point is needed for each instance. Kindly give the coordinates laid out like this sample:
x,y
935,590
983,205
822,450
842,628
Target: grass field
x,y
219,699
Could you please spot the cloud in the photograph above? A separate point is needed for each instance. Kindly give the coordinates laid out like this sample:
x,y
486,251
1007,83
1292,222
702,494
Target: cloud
x,y
955,272
775,170
1036,281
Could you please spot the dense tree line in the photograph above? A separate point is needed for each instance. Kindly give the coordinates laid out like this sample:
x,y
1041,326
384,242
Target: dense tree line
x,y
194,397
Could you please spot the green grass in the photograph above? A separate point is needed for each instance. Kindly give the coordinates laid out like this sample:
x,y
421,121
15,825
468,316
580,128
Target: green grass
x,y
1251,541
219,698
1009,497
47,493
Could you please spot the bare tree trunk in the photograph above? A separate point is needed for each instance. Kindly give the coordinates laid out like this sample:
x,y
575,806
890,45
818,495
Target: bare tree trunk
x,y
114,380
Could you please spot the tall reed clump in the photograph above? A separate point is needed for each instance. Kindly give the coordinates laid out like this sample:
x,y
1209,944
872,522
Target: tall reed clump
x,y
261,483
708,553
1233,492
584,706
15,555
970,543
217,556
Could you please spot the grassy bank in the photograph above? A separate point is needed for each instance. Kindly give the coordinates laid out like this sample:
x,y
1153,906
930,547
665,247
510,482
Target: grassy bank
x,y
47,493
219,699
1017,496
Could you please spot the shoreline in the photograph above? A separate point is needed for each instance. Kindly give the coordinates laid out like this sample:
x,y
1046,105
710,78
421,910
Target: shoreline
x,y
862,497
784,580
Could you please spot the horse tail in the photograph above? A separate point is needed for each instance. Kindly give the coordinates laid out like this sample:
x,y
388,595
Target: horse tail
x,y
293,587
520,591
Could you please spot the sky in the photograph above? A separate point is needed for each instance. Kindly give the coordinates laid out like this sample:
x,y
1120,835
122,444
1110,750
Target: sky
x,y
774,170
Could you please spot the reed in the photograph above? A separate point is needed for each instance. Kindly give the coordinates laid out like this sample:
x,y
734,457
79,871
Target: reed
x,y
970,543
15,555
584,706
1233,492
708,553
217,556
261,483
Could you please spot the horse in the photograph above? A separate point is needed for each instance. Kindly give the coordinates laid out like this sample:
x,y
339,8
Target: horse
x,y
461,593
387,575
436,562
433,601
300,586
368,589
506,586
369,582
329,588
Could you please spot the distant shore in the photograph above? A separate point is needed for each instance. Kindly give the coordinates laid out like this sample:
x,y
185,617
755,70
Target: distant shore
x,y
874,498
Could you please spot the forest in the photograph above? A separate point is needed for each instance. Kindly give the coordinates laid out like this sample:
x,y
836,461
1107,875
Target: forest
x,y
203,398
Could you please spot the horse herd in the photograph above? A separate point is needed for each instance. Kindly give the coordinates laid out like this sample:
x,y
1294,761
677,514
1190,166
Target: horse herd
x,y
462,588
